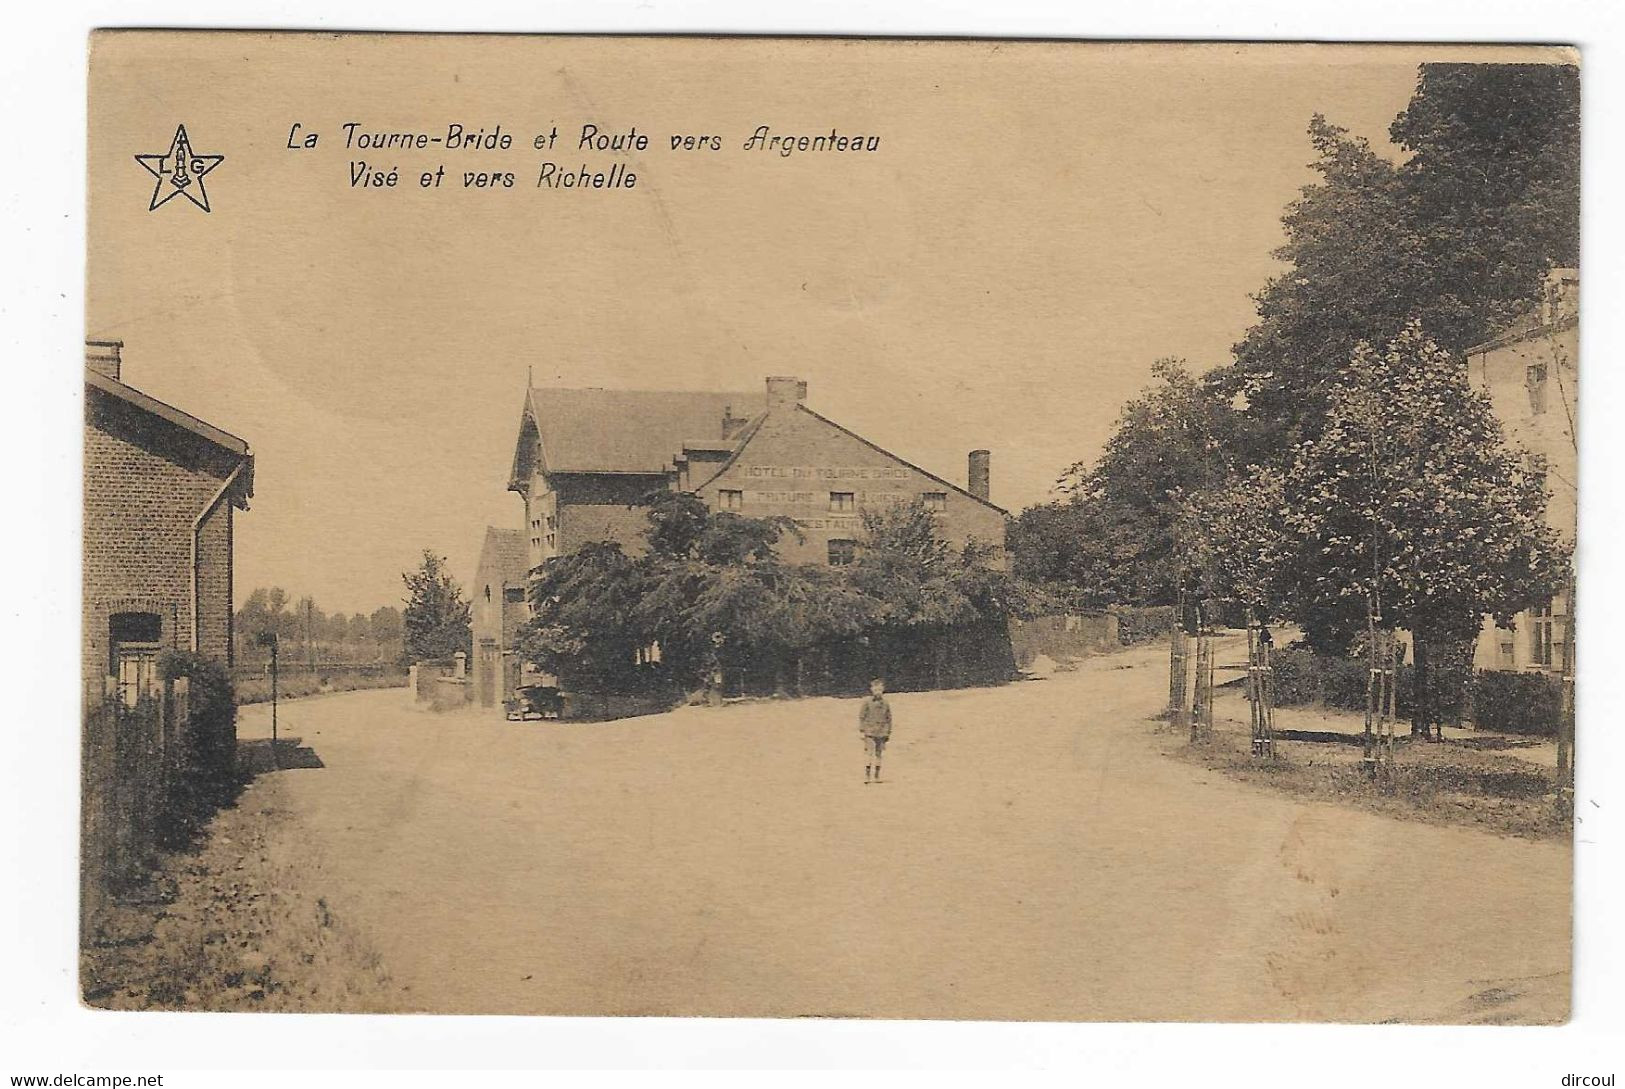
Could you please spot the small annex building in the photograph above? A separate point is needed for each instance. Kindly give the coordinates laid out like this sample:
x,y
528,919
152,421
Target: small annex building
x,y
499,608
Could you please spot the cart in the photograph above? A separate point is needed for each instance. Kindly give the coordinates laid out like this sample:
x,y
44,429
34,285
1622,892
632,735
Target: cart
x,y
532,703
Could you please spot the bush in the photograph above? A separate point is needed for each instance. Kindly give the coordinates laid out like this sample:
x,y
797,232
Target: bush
x,y
210,731
203,763
1142,623
1517,703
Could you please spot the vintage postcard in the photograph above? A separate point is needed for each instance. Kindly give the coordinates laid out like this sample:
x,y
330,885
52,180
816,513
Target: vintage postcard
x,y
997,530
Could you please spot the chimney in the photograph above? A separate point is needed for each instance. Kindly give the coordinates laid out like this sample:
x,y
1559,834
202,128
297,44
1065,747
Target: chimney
x,y
785,392
980,474
102,356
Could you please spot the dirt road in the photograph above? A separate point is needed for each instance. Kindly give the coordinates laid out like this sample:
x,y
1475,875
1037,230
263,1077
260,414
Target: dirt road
x,y
1032,855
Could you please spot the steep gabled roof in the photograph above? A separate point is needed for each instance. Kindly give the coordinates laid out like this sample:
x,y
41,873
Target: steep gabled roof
x,y
756,424
624,431
184,420
504,554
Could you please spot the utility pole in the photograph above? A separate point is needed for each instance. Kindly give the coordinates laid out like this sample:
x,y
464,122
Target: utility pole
x,y
269,639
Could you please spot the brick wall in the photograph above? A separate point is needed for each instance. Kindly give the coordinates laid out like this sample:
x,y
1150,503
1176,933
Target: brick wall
x,y
796,459
144,481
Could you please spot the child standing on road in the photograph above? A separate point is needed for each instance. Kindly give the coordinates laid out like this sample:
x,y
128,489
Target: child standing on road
x,y
874,723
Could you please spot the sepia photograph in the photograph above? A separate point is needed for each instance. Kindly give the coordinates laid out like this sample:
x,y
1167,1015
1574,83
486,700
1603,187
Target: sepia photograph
x,y
833,528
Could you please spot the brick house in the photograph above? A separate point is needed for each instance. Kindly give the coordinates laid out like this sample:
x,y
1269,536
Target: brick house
x,y
160,489
1530,373
499,608
585,458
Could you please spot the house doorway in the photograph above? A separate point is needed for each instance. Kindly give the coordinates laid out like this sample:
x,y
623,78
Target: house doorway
x,y
135,640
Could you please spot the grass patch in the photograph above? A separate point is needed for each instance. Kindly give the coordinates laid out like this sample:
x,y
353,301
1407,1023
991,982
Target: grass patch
x,y
1448,782
232,925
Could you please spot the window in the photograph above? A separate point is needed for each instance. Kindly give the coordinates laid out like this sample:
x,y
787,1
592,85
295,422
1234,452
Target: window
x,y
935,500
1535,378
730,499
1541,636
843,501
842,552
513,595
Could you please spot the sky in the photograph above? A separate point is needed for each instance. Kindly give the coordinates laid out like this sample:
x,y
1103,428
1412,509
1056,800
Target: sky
x,y
1039,225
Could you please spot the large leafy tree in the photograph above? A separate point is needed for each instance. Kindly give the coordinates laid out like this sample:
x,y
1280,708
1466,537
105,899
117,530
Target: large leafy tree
x,y
712,592
585,614
1411,502
921,590
1457,234
436,618
1492,189
1112,538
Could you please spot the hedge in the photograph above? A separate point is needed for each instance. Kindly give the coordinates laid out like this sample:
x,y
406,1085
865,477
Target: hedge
x,y
1518,703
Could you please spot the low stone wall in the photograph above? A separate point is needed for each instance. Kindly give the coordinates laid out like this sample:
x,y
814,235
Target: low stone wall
x,y
440,685
1072,635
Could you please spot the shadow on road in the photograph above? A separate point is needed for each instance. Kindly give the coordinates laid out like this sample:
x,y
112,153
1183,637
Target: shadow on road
x,y
256,757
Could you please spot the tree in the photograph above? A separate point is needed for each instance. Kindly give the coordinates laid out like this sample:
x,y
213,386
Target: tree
x,y
584,622
1115,535
1411,503
1458,235
436,619
1492,189
265,610
923,594
1354,274
712,593
1232,542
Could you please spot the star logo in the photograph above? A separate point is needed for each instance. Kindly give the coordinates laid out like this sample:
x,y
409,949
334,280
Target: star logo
x,y
180,173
